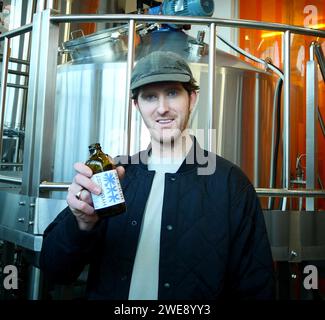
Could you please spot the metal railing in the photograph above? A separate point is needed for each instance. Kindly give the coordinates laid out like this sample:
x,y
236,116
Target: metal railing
x,y
4,73
131,19
240,23
262,192
16,32
212,23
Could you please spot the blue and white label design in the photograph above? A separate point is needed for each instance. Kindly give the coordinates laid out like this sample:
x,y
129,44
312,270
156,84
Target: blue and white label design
x,y
111,189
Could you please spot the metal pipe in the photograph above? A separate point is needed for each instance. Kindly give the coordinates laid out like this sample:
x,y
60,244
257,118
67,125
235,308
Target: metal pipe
x,y
320,182
257,131
273,192
34,283
12,180
311,125
320,59
130,60
40,166
311,51
18,73
212,80
274,141
31,107
4,78
290,193
189,20
17,32
286,113
54,186
40,5
11,164
17,86
303,182
67,27
221,107
15,60
49,4
321,121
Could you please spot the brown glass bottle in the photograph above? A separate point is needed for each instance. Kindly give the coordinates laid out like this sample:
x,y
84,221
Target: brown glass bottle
x,y
111,201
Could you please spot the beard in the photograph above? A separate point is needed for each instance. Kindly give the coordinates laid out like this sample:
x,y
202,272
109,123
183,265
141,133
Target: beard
x,y
167,136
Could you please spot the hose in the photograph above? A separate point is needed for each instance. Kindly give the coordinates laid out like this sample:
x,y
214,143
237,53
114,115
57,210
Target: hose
x,y
276,115
250,56
275,147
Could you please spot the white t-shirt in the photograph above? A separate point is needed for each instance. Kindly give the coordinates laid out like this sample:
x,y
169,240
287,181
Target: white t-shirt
x,y
145,275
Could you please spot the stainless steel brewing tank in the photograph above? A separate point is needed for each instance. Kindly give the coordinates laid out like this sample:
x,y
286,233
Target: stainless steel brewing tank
x,y
90,104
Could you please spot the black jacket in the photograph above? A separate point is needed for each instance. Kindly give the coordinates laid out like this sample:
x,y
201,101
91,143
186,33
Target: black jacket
x,y
213,237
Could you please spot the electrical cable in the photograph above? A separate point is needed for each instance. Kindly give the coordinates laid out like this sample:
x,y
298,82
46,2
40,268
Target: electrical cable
x,y
276,112
250,56
275,147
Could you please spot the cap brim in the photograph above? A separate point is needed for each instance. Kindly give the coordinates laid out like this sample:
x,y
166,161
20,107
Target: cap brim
x,y
161,78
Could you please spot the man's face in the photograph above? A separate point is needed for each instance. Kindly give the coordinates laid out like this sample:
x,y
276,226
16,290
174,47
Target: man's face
x,y
165,108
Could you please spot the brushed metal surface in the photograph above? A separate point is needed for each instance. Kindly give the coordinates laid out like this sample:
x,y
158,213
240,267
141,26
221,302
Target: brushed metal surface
x,y
296,235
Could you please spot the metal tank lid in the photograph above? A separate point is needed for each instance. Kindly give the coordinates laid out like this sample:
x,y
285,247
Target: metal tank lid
x,y
110,45
108,34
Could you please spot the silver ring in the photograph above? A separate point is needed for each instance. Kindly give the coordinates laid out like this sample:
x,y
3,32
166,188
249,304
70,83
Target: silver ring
x,y
79,193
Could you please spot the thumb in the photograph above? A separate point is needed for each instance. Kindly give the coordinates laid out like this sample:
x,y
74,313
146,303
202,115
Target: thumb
x,y
120,171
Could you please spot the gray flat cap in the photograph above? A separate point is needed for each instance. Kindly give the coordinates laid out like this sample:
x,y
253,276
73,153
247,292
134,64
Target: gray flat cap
x,y
160,66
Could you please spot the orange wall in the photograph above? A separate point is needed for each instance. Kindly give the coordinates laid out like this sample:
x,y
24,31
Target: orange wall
x,y
269,44
86,7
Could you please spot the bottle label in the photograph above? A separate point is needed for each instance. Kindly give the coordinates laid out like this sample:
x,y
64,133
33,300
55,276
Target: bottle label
x,y
111,189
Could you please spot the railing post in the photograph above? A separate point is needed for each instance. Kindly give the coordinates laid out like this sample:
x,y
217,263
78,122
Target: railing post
x,y
286,113
257,132
39,144
31,107
212,80
4,77
128,102
311,126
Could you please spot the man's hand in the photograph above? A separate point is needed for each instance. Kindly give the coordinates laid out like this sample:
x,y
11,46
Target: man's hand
x,y
79,196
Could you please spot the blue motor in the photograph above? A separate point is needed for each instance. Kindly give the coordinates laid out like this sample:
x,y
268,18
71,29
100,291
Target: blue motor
x,y
188,7
183,8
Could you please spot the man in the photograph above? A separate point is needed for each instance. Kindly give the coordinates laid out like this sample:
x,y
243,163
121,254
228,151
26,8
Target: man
x,y
188,233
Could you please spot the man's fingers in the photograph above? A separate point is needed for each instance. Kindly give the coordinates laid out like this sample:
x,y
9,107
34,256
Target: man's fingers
x,y
79,205
83,169
86,183
86,196
74,188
